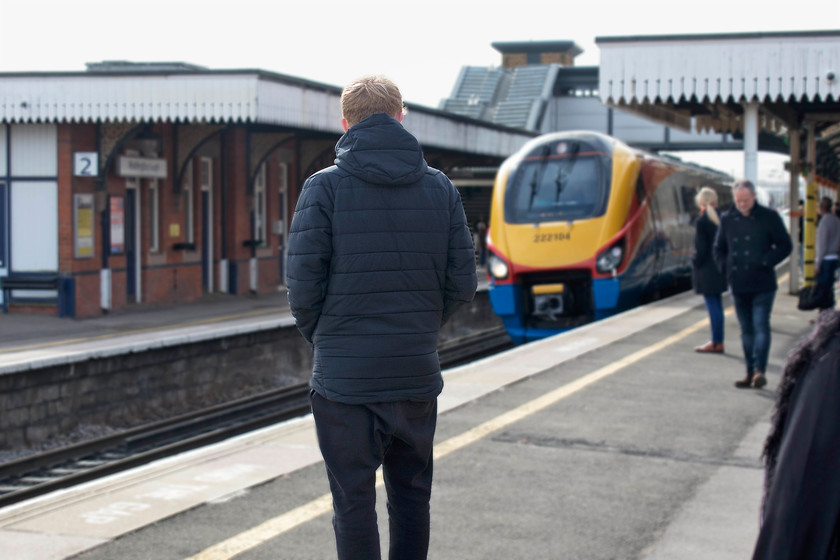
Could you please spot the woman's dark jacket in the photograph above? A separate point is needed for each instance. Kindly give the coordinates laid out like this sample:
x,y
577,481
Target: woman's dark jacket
x,y
380,255
801,507
749,247
706,278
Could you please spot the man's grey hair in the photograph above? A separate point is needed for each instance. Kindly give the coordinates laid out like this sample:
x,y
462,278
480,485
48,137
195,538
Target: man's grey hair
x,y
744,184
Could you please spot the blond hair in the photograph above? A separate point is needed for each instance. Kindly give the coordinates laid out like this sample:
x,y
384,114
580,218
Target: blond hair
x,y
707,198
368,96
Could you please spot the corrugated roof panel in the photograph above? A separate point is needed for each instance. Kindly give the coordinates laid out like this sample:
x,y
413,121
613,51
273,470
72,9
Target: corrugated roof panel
x,y
222,97
118,98
731,68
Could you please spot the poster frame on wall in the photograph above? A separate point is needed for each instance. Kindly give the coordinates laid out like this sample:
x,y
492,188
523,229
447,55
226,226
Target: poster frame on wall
x,y
83,226
116,211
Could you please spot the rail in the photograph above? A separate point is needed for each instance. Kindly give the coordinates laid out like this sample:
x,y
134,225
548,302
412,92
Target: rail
x,y
39,474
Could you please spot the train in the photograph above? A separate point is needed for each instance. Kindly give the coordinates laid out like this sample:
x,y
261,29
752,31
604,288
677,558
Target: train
x,y
583,226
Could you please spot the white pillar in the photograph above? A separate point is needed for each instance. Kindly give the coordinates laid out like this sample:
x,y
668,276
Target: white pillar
x,y
105,289
751,142
252,274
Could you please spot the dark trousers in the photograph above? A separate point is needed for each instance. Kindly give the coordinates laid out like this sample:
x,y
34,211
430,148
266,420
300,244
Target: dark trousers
x,y
753,310
825,279
355,440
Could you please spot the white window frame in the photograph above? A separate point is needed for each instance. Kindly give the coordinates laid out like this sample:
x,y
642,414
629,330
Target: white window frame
x,y
205,178
259,230
189,203
154,216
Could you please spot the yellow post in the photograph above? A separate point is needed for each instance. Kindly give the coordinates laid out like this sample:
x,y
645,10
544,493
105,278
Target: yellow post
x,y
811,194
810,237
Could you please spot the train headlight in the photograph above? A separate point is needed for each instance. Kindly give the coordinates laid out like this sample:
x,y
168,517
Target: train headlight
x,y
610,259
498,267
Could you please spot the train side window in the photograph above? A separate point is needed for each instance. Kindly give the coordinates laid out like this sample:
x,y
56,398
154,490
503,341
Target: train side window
x,y
688,194
640,189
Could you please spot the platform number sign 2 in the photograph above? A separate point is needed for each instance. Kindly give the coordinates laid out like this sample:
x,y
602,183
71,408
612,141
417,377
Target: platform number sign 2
x,y
85,164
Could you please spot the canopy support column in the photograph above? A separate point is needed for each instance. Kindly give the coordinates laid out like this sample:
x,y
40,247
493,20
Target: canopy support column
x,y
810,234
751,141
795,210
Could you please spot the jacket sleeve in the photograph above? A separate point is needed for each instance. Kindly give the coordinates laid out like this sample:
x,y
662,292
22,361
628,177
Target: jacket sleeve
x,y
779,239
721,248
309,255
461,280
703,239
822,240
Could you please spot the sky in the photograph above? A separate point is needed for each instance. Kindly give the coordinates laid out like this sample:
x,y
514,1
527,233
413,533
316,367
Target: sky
x,y
421,45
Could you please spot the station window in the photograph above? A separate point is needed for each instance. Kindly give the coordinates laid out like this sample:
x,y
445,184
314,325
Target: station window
x,y
206,174
259,207
189,203
154,217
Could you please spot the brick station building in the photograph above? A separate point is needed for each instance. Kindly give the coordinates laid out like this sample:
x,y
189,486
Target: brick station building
x,y
140,184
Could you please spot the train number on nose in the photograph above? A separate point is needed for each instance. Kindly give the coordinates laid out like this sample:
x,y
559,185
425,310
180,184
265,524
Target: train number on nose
x,y
548,237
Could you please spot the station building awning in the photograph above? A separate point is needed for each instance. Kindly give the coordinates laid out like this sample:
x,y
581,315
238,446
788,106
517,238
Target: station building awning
x,y
120,91
709,82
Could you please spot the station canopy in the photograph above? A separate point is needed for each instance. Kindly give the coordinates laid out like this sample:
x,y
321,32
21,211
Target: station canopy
x,y
704,82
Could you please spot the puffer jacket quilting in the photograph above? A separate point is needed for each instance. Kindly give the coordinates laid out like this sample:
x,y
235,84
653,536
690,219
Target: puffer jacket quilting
x,y
380,256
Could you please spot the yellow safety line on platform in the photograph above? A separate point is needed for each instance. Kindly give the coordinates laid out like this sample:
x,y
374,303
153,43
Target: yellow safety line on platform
x,y
141,331
275,527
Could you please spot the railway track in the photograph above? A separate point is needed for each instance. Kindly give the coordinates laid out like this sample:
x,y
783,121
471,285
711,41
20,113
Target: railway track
x,y
41,473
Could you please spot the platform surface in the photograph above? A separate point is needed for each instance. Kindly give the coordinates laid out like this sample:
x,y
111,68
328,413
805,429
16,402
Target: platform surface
x,y
614,440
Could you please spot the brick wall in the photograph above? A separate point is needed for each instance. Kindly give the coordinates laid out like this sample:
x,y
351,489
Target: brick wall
x,y
60,403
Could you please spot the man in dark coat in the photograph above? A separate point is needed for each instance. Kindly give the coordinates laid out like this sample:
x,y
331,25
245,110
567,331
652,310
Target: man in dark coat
x,y
750,242
380,256
828,252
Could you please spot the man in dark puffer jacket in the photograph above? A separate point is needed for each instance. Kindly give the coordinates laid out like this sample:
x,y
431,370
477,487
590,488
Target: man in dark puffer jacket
x,y
380,256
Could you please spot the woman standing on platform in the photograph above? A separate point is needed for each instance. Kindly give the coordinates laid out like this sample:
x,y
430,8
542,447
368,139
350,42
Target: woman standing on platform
x,y
706,277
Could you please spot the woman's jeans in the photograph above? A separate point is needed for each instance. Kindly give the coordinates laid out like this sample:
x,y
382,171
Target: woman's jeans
x,y
714,305
753,310
355,440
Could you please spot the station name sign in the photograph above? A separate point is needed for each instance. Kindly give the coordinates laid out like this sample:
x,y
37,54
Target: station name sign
x,y
146,168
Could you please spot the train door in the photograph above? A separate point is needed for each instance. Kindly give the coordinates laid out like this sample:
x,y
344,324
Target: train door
x,y
282,228
206,178
657,244
4,266
4,218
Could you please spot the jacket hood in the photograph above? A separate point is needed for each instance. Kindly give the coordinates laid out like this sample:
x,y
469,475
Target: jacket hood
x,y
379,150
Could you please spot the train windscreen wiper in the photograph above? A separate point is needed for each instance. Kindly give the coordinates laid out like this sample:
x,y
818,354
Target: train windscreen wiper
x,y
564,172
535,182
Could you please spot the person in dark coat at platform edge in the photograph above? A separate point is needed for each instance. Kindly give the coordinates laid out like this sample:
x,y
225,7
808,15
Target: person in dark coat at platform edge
x,y
380,256
751,241
828,251
706,277
800,512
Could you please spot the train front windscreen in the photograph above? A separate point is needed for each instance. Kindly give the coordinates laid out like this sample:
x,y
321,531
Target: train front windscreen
x,y
565,181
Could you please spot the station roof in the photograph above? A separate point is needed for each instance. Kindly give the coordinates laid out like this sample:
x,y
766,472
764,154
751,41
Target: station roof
x,y
704,80
507,47
120,91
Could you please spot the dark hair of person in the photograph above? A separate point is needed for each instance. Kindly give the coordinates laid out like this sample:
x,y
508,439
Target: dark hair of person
x,y
800,358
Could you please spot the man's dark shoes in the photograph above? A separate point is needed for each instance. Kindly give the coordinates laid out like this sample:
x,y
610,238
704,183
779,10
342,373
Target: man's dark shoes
x,y
756,380
744,383
710,348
